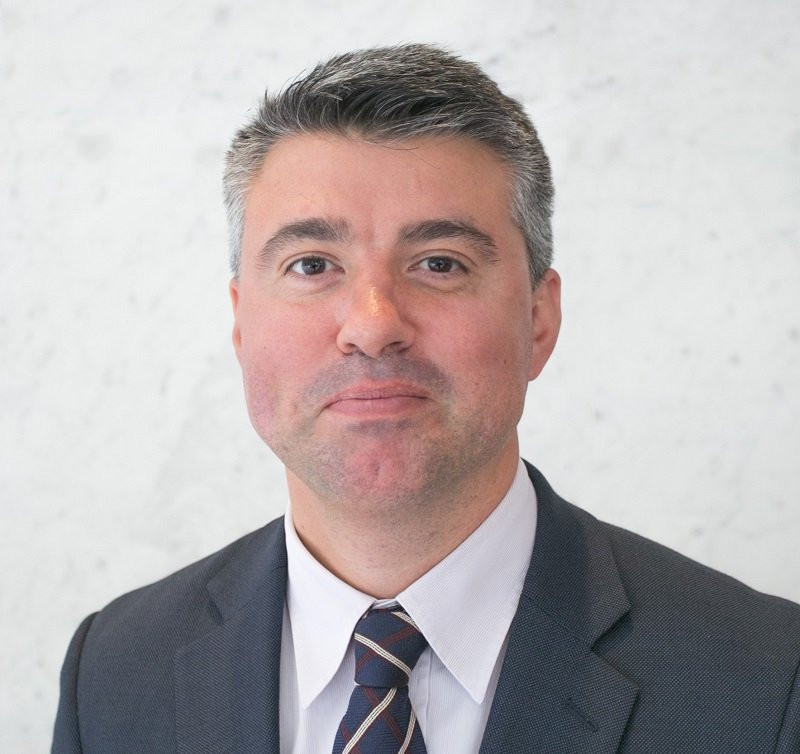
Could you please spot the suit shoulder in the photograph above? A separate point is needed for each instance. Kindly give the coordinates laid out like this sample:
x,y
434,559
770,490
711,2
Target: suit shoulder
x,y
703,619
122,659
652,571
671,596
180,602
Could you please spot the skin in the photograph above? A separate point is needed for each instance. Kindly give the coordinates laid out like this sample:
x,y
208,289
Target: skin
x,y
386,329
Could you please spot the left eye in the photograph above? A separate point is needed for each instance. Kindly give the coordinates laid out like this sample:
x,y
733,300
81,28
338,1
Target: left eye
x,y
440,264
310,266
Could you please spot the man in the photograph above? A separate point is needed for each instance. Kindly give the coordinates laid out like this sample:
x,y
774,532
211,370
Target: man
x,y
393,296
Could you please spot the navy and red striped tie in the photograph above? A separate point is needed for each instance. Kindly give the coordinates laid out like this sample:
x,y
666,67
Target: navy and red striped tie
x,y
379,718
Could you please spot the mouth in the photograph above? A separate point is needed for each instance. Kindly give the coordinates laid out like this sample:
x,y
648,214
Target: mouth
x,y
377,399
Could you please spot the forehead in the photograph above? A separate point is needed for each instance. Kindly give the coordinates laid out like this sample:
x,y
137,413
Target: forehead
x,y
377,186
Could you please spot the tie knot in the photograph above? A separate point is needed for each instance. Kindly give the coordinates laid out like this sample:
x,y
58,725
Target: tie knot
x,y
388,645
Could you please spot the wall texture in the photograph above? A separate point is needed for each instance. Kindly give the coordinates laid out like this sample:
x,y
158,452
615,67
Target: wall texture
x,y
672,405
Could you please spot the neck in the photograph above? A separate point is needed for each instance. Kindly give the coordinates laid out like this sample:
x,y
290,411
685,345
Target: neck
x,y
382,548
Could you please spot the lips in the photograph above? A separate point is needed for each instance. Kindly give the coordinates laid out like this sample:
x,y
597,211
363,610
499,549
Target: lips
x,y
377,398
378,392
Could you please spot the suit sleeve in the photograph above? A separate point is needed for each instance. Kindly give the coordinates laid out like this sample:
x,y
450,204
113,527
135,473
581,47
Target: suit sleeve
x,y
67,736
789,738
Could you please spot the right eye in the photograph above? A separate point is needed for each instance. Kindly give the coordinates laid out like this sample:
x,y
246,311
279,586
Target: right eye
x,y
310,266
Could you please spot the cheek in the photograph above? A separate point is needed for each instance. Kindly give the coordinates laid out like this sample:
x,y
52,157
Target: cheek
x,y
271,337
260,390
490,361
261,352
499,341
279,354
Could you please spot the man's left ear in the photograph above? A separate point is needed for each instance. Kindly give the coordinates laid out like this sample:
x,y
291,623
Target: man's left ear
x,y
546,320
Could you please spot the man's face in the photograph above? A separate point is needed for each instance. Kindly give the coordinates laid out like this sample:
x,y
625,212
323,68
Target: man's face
x,y
384,317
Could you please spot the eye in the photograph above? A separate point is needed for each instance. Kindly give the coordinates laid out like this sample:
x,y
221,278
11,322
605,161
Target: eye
x,y
310,266
441,265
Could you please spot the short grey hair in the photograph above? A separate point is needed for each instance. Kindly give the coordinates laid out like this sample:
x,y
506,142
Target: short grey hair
x,y
389,94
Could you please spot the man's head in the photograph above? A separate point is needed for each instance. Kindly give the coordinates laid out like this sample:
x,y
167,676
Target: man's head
x,y
394,94
386,324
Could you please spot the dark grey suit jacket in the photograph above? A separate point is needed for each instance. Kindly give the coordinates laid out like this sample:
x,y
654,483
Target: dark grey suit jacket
x,y
618,645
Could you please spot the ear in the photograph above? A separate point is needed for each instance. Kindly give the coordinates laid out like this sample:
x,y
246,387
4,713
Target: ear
x,y
546,320
233,288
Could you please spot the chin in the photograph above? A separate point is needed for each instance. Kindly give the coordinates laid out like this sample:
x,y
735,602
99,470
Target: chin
x,y
378,480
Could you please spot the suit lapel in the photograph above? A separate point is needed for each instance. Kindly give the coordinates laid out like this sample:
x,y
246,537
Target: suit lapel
x,y
227,681
555,693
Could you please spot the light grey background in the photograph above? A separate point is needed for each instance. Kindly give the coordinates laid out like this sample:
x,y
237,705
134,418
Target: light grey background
x,y
671,406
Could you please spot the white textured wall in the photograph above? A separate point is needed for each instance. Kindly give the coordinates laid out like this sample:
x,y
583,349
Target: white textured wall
x,y
672,405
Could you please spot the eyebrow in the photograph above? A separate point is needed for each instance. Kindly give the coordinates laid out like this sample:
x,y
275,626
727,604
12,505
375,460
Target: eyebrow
x,y
339,231
443,228
307,229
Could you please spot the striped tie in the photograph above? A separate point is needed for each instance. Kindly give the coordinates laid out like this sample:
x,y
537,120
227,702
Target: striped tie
x,y
379,718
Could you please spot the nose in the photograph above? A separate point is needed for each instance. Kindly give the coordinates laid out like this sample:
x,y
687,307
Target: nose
x,y
372,321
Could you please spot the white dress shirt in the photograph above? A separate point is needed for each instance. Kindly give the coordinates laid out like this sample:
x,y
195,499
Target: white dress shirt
x,y
464,606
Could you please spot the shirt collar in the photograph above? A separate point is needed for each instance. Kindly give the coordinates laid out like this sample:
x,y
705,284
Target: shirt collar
x,y
467,600
313,591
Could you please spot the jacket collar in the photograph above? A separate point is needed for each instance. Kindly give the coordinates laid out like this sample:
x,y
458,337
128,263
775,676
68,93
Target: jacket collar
x,y
555,693
227,681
